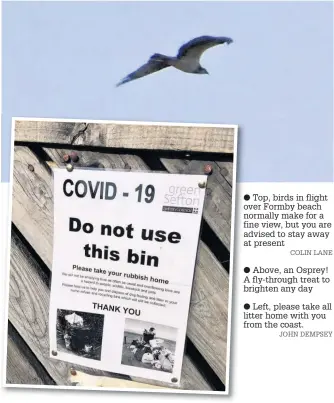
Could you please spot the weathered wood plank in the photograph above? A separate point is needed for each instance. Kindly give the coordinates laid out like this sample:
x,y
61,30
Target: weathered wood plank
x,y
218,200
214,139
208,314
22,366
85,380
226,170
32,205
28,308
210,276
191,377
28,311
98,160
19,370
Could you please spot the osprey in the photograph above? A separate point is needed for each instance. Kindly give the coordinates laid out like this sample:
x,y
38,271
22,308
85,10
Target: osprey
x,y
186,60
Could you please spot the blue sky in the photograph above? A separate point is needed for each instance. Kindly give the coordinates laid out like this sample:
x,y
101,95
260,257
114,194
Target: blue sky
x,y
63,59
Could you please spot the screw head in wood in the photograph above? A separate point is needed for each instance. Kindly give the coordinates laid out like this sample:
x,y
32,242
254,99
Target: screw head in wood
x,y
73,371
66,158
174,379
54,352
208,169
31,168
74,156
69,167
201,185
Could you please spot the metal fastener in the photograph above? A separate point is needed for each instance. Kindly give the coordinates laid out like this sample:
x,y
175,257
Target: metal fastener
x,y
208,169
174,380
66,158
73,371
31,168
202,185
69,167
74,156
54,352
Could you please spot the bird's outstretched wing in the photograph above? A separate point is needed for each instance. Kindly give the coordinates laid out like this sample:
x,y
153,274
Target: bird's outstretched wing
x,y
150,67
195,47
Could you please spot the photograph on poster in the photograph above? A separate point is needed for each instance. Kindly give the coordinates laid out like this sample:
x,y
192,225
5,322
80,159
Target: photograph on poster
x,y
80,333
148,345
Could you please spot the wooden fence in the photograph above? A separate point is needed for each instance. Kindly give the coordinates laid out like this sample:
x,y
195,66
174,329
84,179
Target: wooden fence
x,y
41,145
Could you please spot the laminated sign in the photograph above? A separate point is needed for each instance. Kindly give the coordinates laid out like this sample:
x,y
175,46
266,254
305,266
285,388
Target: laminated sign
x,y
124,254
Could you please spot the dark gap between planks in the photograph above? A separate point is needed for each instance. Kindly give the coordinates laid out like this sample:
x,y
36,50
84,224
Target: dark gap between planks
x,y
41,155
205,369
202,156
25,350
194,355
219,250
43,270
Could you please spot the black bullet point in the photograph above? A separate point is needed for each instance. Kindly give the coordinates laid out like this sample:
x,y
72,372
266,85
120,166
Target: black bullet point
x,y
246,306
246,197
246,269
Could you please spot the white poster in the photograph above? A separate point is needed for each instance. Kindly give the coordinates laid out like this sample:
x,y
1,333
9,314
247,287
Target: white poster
x,y
124,253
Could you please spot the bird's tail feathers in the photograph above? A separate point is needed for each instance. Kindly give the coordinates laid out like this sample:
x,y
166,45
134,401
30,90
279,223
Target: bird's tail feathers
x,y
123,81
158,57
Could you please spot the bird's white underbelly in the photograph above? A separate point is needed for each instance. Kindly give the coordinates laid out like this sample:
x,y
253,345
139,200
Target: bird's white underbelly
x,y
186,65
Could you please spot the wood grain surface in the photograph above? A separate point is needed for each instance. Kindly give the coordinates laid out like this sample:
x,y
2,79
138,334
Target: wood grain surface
x,y
199,138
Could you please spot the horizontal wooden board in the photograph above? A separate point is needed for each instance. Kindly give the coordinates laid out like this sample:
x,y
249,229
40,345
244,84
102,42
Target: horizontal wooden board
x,y
85,380
211,139
210,282
28,312
89,159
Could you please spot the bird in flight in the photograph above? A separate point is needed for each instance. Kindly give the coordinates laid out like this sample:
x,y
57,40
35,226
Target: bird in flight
x,y
186,60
